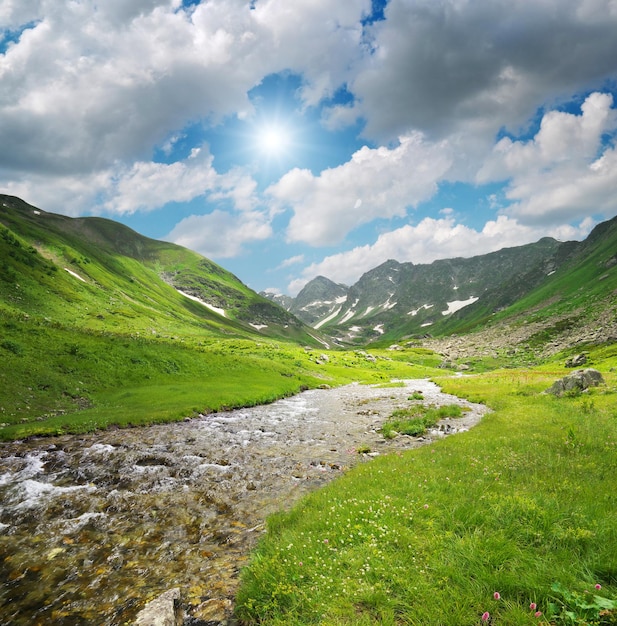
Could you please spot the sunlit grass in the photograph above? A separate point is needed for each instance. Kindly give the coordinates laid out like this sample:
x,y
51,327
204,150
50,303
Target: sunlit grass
x,y
522,501
56,379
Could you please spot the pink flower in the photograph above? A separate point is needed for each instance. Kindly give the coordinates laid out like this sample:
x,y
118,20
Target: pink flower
x,y
486,616
496,595
537,614
325,541
598,587
300,563
426,506
533,606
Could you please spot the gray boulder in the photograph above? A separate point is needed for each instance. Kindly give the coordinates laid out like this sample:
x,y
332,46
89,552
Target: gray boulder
x,y
162,611
577,360
576,381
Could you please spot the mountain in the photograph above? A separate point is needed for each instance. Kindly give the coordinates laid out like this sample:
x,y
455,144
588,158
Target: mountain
x,y
102,276
401,300
316,302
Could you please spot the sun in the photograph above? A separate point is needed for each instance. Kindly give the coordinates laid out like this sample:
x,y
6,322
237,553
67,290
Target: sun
x,y
273,140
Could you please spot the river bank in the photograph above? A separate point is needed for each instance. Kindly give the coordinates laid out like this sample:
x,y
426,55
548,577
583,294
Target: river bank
x,y
92,527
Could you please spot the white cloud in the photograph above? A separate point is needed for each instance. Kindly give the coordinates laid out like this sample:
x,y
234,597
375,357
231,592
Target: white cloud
x,y
220,234
148,185
454,67
144,186
430,240
375,183
90,83
564,172
294,260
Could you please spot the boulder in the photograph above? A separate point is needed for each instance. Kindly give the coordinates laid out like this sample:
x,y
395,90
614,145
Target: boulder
x,y
577,360
162,611
576,381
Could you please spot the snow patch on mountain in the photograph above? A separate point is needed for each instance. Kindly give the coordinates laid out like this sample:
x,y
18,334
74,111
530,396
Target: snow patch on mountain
x,y
348,315
206,304
325,320
426,307
457,305
72,273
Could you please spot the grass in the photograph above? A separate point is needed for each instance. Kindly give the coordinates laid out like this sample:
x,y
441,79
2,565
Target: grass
x,y
523,505
56,379
417,419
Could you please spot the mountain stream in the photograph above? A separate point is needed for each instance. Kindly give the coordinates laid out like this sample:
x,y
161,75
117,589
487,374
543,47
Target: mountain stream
x,y
94,526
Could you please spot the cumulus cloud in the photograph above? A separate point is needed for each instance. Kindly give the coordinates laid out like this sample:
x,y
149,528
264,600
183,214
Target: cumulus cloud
x,y
450,67
220,234
565,171
89,83
294,260
430,240
376,183
143,186
148,185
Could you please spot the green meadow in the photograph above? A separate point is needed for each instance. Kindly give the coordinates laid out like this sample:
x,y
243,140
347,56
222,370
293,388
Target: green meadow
x,y
512,523
56,379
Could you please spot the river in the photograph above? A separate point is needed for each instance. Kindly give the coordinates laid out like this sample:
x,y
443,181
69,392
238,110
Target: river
x,y
94,526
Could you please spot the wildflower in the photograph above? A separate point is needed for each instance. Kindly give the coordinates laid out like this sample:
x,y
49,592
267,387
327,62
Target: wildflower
x,y
496,595
325,541
533,606
300,564
426,506
598,587
486,616
537,614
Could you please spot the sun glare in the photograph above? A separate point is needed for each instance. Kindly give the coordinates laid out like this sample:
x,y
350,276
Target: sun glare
x,y
273,140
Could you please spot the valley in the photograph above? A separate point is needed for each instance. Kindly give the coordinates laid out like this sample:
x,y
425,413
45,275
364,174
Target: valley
x,y
135,370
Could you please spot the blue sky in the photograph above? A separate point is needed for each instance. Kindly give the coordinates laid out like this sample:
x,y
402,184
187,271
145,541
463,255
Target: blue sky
x,y
287,140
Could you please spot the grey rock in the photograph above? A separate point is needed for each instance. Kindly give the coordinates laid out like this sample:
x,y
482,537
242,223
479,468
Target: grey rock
x,y
576,381
162,611
576,361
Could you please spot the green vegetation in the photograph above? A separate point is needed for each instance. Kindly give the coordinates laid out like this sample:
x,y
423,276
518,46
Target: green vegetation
x,y
417,419
511,523
512,520
56,379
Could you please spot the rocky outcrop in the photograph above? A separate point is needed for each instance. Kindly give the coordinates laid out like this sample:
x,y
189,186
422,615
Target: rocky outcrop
x,y
576,382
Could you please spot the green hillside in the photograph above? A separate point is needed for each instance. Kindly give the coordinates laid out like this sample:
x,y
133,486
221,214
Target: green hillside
x,y
100,325
100,275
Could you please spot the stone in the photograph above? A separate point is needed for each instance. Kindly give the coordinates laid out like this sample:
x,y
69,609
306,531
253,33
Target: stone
x,y
162,611
576,361
577,381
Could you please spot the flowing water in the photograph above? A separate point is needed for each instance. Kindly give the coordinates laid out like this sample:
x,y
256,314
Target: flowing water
x,y
92,527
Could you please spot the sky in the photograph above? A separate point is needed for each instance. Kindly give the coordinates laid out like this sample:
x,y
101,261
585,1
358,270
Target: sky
x,y
290,139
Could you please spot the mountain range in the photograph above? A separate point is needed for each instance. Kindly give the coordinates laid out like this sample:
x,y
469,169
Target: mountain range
x,y
397,301
101,276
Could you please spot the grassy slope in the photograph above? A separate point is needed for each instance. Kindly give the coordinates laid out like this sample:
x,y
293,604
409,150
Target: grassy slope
x,y
125,280
90,334
56,379
522,501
